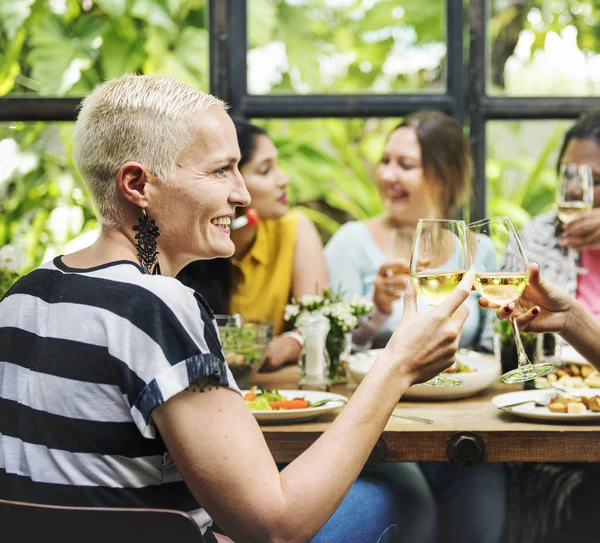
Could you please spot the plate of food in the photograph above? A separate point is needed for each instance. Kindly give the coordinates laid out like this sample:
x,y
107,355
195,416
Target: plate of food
x,y
282,406
548,405
572,376
476,370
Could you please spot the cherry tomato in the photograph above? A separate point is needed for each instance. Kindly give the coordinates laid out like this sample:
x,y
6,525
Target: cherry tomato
x,y
252,216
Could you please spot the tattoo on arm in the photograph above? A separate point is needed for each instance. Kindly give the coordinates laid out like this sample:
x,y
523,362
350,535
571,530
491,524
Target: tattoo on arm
x,y
204,384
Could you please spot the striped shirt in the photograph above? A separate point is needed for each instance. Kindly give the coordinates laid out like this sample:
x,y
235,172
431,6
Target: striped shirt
x,y
85,357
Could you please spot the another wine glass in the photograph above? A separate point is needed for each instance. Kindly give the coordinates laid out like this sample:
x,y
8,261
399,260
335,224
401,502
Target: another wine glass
x,y
502,280
575,196
398,254
439,260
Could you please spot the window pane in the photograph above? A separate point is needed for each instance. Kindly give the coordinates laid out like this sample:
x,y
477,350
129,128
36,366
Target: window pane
x,y
521,167
43,203
346,46
544,48
65,48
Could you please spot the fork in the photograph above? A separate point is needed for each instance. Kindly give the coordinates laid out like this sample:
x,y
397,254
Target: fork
x,y
544,402
329,400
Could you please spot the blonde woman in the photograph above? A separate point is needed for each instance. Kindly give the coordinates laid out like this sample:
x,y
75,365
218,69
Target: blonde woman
x,y
113,385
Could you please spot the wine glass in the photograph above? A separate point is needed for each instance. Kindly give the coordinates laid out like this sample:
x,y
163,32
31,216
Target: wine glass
x,y
401,240
502,280
575,196
439,260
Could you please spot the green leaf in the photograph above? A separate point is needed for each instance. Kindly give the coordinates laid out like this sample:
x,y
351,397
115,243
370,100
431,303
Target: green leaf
x,y
262,21
50,56
13,13
119,55
192,50
154,12
379,16
114,8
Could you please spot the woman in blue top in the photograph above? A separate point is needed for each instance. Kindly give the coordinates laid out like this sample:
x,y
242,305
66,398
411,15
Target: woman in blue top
x,y
425,172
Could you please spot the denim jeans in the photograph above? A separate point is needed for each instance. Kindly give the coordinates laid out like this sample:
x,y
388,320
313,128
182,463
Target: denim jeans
x,y
375,511
426,503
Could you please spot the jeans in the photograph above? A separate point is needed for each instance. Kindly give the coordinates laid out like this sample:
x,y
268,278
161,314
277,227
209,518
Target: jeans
x,y
375,511
426,503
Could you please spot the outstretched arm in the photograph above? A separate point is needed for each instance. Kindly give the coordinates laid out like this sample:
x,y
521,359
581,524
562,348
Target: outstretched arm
x,y
544,307
222,455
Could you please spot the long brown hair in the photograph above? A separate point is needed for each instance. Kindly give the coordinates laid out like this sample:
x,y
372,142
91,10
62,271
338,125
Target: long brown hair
x,y
445,156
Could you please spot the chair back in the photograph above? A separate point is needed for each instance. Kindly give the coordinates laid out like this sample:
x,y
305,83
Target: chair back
x,y
33,523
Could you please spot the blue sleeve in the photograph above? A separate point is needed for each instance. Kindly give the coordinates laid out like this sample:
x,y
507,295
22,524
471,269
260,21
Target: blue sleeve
x,y
343,260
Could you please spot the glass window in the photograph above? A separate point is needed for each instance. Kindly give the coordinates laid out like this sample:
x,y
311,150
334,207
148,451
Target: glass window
x,y
43,202
66,48
346,46
544,48
521,167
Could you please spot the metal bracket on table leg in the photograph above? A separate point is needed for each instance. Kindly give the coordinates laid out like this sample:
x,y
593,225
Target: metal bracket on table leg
x,y
465,449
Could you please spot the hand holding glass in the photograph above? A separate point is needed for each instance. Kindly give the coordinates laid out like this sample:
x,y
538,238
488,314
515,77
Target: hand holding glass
x,y
439,260
401,240
575,196
503,281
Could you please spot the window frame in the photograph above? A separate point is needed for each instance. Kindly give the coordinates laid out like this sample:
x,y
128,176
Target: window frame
x,y
465,97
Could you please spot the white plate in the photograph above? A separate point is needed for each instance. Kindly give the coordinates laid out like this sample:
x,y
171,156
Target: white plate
x,y
569,355
533,412
488,371
298,415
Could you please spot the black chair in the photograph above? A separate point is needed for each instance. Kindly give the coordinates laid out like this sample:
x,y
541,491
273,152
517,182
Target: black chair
x,y
25,522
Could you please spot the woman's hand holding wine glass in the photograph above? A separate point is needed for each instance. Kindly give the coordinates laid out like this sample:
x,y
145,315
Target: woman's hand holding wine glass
x,y
575,197
439,261
506,284
392,276
542,308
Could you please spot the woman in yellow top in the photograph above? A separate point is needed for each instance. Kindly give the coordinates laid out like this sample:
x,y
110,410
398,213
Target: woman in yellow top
x,y
279,258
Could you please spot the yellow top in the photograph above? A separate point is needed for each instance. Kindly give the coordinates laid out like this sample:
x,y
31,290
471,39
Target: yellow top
x,y
262,280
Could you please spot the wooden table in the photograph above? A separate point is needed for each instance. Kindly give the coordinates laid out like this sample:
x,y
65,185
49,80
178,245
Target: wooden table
x,y
474,422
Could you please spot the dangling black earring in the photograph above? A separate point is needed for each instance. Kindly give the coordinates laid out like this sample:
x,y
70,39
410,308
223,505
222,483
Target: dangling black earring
x,y
147,232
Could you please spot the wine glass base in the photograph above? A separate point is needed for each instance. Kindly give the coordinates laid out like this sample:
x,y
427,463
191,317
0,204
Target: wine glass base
x,y
441,380
527,373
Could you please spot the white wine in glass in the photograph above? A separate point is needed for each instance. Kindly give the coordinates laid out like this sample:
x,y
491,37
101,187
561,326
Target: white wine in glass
x,y
575,196
569,211
401,240
439,260
503,281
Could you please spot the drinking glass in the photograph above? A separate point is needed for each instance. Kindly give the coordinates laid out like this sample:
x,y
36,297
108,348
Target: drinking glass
x,y
401,240
439,260
575,196
502,280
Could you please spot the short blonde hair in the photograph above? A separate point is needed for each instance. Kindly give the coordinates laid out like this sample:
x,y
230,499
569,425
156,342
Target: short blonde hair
x,y
145,119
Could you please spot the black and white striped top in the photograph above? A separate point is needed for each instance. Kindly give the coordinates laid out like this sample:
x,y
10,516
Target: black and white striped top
x,y
85,357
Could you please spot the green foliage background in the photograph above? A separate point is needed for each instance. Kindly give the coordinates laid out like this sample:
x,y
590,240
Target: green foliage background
x,y
66,47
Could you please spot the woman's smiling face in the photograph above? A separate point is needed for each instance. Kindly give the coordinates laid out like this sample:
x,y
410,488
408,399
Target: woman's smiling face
x,y
193,209
266,183
405,191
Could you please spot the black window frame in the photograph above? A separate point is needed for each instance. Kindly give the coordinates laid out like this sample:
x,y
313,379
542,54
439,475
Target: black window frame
x,y
465,97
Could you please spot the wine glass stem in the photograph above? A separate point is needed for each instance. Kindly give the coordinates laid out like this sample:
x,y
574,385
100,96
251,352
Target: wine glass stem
x,y
522,357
